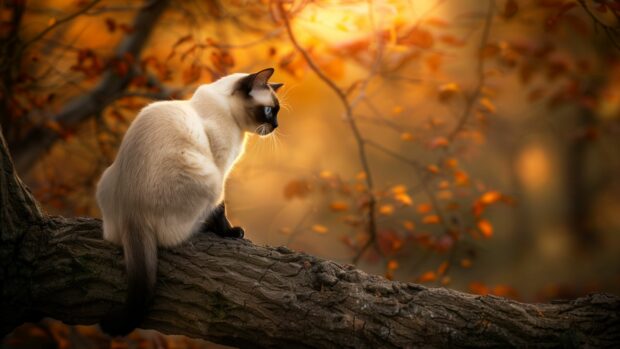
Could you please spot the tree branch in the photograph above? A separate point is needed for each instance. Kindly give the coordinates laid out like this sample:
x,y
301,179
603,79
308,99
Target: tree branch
x,y
111,86
236,293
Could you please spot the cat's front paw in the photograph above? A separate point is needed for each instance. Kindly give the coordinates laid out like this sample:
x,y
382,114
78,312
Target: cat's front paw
x,y
233,232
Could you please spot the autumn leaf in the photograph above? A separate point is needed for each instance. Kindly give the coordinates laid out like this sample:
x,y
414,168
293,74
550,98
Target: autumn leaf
x,y
490,197
404,199
433,169
439,142
485,228
424,208
427,277
386,209
392,264
478,288
487,105
338,206
431,219
398,189
442,268
406,136
461,178
448,91
409,225
319,229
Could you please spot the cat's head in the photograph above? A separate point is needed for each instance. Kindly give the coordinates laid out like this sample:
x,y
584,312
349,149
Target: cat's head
x,y
257,105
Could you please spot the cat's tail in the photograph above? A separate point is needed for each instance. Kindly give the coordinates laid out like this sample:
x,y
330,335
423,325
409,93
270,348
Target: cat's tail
x,y
140,249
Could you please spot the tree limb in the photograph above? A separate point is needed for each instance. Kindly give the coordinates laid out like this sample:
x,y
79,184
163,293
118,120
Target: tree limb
x,y
237,293
111,86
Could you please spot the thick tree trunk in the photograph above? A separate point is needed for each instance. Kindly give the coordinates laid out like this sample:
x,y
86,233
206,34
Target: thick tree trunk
x,y
237,293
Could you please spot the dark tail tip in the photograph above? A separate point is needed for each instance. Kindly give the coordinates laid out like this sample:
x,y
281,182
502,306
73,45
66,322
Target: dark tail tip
x,y
120,322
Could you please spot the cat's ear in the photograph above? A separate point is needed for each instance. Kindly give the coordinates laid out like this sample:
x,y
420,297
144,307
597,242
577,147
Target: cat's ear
x,y
276,86
261,78
255,81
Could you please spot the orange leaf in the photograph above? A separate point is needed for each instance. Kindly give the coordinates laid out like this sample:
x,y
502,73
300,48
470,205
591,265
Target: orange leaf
x,y
399,189
490,197
431,219
404,199
386,209
485,228
409,225
447,91
427,277
488,105
319,229
406,136
439,142
339,206
424,208
392,264
461,178
433,169
478,288
442,268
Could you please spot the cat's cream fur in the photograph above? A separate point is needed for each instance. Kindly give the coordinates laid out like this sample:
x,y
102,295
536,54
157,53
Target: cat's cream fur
x,y
170,170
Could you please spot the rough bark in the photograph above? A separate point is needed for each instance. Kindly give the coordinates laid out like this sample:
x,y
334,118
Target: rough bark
x,y
110,88
236,293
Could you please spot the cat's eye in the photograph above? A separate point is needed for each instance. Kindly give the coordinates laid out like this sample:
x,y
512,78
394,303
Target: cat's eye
x,y
268,112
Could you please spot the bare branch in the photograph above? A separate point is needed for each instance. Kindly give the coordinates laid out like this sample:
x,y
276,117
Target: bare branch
x,y
59,23
372,225
470,100
111,86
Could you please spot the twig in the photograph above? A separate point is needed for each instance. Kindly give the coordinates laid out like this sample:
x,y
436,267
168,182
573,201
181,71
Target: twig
x,y
372,224
60,22
470,101
611,32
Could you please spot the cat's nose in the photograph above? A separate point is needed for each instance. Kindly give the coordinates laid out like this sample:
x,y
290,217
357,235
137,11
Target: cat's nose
x,y
274,124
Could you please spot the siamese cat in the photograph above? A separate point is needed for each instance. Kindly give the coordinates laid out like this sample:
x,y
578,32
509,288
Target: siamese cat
x,y
167,181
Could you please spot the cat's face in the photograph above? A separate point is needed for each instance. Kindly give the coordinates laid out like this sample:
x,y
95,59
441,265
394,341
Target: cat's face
x,y
258,101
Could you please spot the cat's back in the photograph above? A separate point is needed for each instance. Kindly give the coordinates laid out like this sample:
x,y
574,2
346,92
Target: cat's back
x,y
162,128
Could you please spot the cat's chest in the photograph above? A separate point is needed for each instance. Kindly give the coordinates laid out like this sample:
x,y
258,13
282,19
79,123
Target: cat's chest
x,y
226,155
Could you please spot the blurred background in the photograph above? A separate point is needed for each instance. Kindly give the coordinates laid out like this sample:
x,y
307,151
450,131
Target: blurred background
x,y
472,145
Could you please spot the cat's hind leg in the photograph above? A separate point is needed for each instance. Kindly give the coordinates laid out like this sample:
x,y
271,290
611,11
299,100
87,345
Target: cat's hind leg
x,y
218,223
